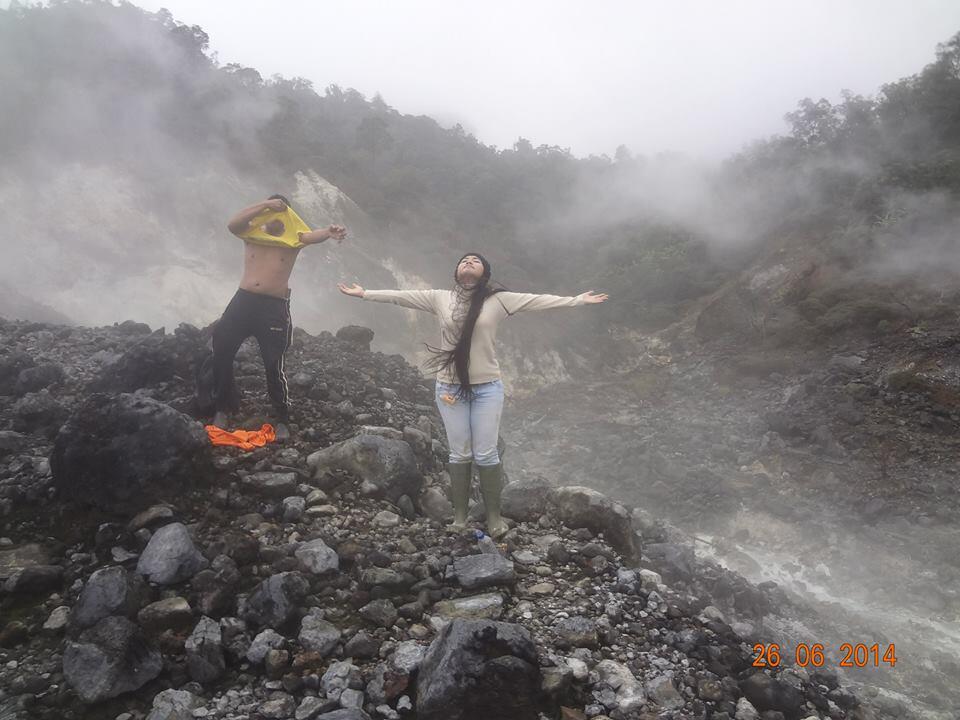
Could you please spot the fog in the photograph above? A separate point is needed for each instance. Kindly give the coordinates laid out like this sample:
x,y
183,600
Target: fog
x,y
678,157
696,77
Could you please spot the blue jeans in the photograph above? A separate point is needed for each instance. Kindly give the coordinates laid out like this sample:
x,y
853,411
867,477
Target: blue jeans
x,y
472,427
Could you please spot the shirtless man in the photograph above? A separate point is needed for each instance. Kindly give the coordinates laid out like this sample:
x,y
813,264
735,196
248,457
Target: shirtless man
x,y
261,308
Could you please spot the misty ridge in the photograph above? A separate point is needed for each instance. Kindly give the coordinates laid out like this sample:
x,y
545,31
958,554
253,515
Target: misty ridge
x,y
127,145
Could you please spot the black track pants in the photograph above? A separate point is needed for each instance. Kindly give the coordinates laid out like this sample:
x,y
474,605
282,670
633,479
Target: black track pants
x,y
266,318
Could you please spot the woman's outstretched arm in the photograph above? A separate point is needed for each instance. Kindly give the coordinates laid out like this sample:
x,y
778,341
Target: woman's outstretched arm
x,y
415,299
514,302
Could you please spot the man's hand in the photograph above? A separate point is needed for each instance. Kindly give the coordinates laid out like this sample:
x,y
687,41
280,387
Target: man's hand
x,y
337,232
240,222
353,290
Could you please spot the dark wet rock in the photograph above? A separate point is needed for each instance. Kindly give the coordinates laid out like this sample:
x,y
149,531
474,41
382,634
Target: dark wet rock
x,y
356,335
479,669
12,442
263,643
488,606
272,484
216,587
390,466
382,613
120,453
37,378
108,591
15,559
317,557
767,693
38,413
204,649
362,645
110,659
318,635
435,505
34,580
344,714
153,360
526,500
169,613
274,602
13,634
387,683
576,632
583,507
673,561
170,557
11,365
484,570
151,518
278,708
174,705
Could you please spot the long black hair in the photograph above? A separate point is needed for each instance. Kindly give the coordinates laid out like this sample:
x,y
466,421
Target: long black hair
x,y
459,356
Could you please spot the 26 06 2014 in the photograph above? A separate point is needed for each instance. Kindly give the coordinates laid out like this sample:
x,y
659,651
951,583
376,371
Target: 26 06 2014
x,y
814,655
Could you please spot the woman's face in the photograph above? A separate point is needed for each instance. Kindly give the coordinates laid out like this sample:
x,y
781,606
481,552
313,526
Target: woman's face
x,y
470,269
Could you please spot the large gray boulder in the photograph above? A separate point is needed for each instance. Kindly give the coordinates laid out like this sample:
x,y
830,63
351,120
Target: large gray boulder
x,y
110,659
578,506
526,500
479,669
170,556
121,453
109,591
386,464
483,570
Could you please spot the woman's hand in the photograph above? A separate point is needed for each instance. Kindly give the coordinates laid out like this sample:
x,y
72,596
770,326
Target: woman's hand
x,y
591,297
353,289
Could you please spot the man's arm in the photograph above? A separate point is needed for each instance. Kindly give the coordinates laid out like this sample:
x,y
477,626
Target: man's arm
x,y
240,222
318,236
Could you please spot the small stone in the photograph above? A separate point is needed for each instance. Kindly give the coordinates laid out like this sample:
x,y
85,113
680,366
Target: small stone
x,y
380,612
489,606
58,620
386,519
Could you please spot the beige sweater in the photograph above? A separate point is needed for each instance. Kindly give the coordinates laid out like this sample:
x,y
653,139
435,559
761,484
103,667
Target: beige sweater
x,y
443,304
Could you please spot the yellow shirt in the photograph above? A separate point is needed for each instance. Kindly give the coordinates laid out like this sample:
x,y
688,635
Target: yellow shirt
x,y
293,226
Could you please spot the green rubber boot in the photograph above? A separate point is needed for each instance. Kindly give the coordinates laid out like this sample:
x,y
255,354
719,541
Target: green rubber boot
x,y
491,485
460,475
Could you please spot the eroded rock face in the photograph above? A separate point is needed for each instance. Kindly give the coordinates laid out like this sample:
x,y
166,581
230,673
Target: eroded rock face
x,y
478,669
110,659
122,452
584,507
388,465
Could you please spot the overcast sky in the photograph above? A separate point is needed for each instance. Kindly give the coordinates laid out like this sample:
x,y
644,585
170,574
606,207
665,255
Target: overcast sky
x,y
697,76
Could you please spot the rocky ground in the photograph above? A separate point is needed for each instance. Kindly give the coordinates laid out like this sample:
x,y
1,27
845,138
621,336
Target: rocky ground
x,y
830,468
146,574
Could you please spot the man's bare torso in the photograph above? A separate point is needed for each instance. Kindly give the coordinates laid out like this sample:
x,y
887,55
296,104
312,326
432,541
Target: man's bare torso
x,y
266,269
